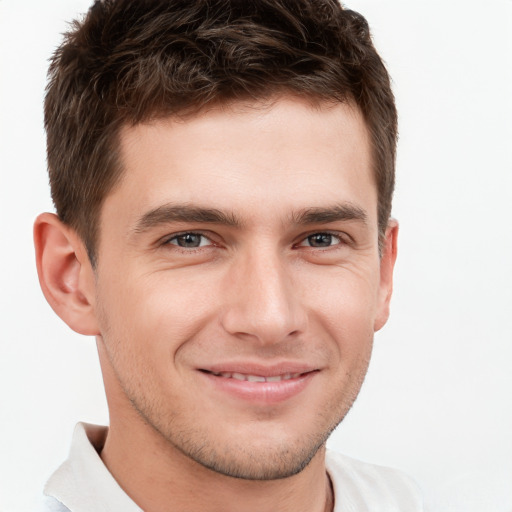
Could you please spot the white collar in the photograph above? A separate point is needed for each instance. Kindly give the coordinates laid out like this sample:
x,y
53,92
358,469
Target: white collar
x,y
83,483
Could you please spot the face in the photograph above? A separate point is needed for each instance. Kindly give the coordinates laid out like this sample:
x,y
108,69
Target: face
x,y
239,282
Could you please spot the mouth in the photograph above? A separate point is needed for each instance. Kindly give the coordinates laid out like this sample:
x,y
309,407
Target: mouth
x,y
256,378
261,386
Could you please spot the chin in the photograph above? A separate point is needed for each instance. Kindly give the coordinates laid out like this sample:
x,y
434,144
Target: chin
x,y
260,464
262,455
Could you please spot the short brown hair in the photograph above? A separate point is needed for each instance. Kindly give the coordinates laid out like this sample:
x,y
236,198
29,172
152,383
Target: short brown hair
x,y
129,61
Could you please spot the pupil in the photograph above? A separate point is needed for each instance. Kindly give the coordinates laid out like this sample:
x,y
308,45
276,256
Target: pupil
x,y
320,240
189,240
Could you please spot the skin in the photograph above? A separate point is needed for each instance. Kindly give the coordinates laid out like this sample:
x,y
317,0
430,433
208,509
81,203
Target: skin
x,y
280,200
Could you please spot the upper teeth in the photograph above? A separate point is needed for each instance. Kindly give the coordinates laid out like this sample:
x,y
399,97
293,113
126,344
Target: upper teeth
x,y
257,378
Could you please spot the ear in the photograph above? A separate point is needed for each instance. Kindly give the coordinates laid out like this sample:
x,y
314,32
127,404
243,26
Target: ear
x,y
387,264
65,273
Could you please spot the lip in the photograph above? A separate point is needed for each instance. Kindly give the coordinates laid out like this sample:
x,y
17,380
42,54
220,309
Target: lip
x,y
295,379
265,370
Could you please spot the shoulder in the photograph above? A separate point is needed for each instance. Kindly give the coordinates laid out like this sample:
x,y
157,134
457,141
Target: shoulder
x,y
362,486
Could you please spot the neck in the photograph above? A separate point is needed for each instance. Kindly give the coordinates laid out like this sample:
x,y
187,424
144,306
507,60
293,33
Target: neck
x,y
166,479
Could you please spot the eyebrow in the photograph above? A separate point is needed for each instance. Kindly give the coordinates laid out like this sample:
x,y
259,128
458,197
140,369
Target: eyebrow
x,y
188,214
340,212
184,213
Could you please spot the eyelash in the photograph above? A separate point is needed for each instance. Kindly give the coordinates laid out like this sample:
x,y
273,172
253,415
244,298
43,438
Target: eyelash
x,y
169,241
340,239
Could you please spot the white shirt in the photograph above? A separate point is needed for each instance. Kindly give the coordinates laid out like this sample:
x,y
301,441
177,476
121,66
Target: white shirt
x,y
83,483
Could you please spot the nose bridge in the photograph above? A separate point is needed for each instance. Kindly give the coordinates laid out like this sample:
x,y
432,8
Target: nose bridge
x,y
262,299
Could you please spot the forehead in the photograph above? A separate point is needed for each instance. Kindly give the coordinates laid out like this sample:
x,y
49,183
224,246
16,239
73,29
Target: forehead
x,y
288,152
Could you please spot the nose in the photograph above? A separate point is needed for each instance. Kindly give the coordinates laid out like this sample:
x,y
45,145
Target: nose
x,y
263,300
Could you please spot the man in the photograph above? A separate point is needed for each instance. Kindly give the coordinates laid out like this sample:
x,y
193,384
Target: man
x,y
222,173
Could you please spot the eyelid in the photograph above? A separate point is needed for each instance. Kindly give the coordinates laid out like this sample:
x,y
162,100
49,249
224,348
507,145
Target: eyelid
x,y
166,240
343,237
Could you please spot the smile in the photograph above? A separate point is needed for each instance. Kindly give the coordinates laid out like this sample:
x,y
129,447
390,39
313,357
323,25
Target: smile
x,y
256,378
249,385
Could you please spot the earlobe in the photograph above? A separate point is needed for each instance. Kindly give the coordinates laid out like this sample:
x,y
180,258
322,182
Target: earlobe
x,y
387,264
65,274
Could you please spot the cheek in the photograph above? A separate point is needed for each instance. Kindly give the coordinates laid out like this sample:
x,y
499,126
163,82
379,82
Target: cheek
x,y
345,301
153,315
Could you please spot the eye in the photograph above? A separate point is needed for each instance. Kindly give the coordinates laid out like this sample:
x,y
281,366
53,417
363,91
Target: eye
x,y
321,240
189,240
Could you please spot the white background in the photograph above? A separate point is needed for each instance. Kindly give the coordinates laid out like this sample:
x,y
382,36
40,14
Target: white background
x,y
437,401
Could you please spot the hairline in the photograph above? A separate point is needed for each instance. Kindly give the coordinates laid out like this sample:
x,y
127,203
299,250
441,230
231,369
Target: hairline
x,y
263,102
